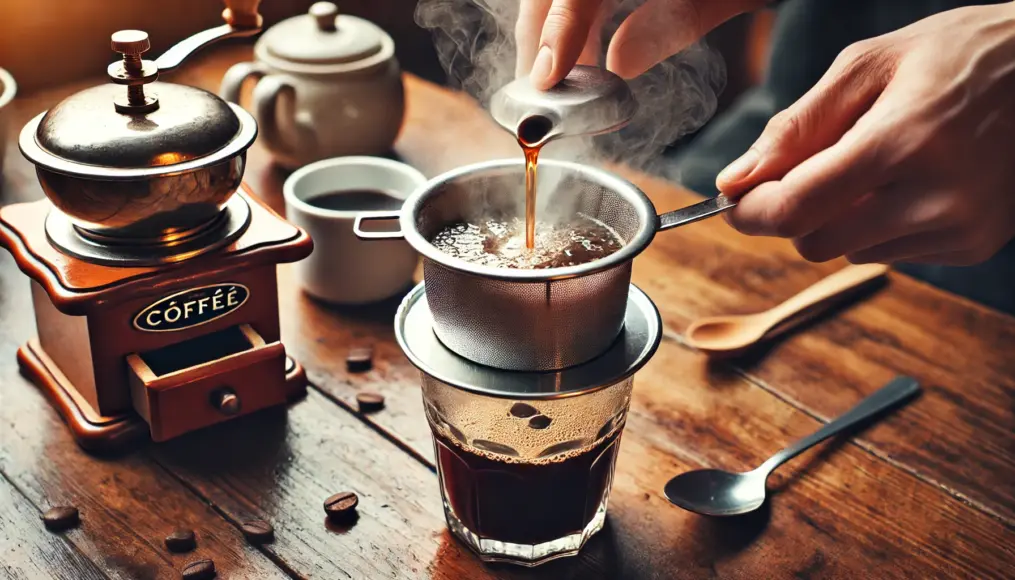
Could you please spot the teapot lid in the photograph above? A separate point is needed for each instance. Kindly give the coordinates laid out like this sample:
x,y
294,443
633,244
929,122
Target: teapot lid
x,y
324,37
114,131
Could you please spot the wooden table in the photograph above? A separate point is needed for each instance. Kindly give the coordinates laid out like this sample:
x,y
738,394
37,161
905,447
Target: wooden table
x,y
928,492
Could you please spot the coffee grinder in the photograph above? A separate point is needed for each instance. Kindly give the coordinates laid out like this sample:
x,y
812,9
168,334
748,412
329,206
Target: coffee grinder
x,y
152,265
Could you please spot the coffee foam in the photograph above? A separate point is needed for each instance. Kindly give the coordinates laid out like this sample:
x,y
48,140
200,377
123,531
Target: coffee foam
x,y
501,244
577,423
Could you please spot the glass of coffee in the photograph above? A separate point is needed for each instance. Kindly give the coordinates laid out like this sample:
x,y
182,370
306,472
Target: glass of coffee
x,y
526,459
525,481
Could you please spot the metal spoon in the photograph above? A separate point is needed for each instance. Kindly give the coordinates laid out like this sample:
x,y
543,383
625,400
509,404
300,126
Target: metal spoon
x,y
714,492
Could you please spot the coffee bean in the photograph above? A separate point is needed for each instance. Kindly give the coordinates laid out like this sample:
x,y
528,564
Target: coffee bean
x,y
540,422
199,570
521,410
369,402
360,359
60,518
341,506
258,531
181,541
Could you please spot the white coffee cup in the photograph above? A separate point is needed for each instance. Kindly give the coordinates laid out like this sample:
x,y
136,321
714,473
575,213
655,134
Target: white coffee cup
x,y
343,269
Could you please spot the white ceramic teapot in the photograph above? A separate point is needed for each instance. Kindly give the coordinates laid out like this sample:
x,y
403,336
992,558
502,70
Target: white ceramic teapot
x,y
329,85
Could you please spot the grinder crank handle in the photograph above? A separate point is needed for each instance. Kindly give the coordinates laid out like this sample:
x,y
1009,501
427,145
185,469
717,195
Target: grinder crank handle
x,y
241,19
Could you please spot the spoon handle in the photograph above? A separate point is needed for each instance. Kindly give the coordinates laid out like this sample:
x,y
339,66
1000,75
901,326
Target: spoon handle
x,y
899,389
831,286
692,213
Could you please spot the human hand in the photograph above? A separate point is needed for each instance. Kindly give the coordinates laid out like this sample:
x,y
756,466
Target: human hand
x,y
554,35
903,151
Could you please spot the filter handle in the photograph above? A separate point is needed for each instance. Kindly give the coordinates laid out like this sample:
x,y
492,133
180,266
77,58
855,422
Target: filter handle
x,y
376,216
692,213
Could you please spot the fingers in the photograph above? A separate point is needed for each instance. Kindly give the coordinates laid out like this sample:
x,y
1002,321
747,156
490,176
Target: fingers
x,y
880,217
528,28
814,192
955,246
912,224
933,247
594,42
815,122
659,29
562,39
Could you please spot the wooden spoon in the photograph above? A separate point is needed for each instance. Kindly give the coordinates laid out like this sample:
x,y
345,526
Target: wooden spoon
x,y
728,335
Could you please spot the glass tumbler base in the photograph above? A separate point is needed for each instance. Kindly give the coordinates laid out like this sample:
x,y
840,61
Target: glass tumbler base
x,y
528,555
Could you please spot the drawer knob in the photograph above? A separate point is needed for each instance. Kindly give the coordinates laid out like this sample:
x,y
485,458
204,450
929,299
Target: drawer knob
x,y
226,401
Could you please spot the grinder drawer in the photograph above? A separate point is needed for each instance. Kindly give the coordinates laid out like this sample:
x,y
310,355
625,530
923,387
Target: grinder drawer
x,y
205,380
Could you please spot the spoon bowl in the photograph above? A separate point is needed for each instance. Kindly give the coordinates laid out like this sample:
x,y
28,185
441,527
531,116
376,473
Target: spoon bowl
x,y
714,492
732,334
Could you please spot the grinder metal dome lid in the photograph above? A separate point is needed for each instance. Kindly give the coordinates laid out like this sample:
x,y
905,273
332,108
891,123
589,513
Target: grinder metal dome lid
x,y
634,347
135,131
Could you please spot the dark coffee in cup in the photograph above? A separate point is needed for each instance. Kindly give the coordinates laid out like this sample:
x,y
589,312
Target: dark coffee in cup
x,y
526,502
356,200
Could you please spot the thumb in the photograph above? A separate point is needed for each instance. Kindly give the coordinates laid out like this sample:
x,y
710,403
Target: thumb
x,y
815,122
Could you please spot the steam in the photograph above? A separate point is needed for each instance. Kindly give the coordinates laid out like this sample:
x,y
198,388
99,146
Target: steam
x,y
475,43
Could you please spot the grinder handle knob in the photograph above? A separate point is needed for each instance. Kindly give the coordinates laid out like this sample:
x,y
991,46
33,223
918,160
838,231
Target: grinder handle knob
x,y
226,401
130,42
242,14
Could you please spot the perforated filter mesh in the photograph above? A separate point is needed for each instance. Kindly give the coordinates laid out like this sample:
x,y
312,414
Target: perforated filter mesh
x,y
533,325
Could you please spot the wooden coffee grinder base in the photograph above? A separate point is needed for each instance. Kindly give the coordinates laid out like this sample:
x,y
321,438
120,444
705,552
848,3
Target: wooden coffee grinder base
x,y
125,353
102,434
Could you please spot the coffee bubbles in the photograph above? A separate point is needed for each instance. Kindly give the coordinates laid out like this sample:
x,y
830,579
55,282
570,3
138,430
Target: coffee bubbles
x,y
501,243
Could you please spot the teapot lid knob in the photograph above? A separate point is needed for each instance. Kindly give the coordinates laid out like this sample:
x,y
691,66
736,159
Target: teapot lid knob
x,y
325,14
133,72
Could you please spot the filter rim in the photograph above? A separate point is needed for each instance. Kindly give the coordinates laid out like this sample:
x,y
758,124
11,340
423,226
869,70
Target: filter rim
x,y
632,349
648,221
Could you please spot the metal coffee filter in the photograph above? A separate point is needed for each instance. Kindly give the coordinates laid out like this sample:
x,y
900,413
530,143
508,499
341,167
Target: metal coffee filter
x,y
529,320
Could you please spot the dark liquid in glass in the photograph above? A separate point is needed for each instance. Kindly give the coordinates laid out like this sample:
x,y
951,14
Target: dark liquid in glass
x,y
526,503
356,200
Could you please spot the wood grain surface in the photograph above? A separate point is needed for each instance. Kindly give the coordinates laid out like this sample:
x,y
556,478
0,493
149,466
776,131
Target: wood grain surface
x,y
926,493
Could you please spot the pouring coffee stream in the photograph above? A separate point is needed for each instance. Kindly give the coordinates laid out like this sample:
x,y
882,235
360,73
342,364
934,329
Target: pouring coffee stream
x,y
531,132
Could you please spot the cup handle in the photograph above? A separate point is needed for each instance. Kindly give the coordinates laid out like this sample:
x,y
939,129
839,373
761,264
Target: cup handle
x,y
693,213
232,82
266,95
376,216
